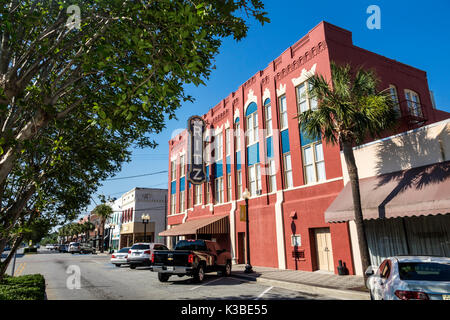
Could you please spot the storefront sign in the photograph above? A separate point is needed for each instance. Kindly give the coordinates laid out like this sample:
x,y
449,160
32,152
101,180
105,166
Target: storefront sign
x,y
196,167
242,213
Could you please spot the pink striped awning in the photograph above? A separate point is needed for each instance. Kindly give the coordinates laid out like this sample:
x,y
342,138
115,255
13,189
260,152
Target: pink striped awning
x,y
209,225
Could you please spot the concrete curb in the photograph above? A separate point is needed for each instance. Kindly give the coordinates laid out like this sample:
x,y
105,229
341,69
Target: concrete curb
x,y
307,288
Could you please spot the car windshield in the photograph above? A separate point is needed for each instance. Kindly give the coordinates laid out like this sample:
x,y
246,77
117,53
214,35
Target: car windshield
x,y
424,271
124,250
75,244
140,247
191,245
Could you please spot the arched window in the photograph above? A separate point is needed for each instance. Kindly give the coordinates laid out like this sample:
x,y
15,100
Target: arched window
x,y
413,101
254,174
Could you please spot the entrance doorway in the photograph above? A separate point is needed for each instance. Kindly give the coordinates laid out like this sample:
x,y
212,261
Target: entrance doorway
x,y
241,248
324,251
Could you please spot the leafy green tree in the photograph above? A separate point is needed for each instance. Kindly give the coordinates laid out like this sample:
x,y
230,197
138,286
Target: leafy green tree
x,y
103,211
73,100
350,109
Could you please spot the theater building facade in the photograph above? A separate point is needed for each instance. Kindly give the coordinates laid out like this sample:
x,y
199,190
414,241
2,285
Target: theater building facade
x,y
253,142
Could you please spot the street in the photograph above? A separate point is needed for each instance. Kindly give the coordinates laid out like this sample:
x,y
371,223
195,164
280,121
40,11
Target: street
x,y
100,280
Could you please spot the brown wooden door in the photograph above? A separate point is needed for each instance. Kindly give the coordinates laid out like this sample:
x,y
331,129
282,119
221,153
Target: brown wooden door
x,y
241,247
324,249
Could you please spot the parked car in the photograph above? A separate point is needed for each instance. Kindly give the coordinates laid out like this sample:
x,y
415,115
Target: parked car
x,y
192,258
51,246
63,248
120,257
140,254
411,278
74,247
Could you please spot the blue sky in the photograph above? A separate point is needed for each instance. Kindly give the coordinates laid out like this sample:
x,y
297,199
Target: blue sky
x,y
413,32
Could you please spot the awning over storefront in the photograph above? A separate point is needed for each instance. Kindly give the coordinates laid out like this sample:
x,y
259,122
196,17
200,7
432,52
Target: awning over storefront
x,y
210,225
413,192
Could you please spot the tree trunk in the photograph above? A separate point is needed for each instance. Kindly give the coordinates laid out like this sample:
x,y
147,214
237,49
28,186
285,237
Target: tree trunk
x,y
102,241
354,181
4,264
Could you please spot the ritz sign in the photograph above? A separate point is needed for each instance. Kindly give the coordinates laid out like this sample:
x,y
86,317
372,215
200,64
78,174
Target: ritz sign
x,y
196,168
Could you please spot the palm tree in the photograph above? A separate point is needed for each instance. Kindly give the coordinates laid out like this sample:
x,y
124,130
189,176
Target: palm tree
x,y
88,227
103,211
349,110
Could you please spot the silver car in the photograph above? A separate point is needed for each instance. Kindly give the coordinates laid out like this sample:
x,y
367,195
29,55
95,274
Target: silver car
x,y
411,278
120,257
140,254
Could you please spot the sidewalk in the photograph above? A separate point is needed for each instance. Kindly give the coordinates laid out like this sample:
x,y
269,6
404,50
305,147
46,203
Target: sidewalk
x,y
339,287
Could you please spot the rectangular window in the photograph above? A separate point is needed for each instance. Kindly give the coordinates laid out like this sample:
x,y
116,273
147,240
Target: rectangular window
x,y
207,200
313,163
219,190
182,201
283,113
173,203
190,200
227,142
219,147
254,179
237,142
182,167
229,187
173,170
272,176
304,101
268,116
198,193
288,181
312,101
252,128
239,185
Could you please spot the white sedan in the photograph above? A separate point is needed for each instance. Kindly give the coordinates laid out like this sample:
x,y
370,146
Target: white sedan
x,y
411,278
120,257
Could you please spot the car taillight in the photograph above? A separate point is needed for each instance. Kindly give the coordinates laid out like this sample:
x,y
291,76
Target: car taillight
x,y
191,258
113,256
411,295
147,252
153,258
129,251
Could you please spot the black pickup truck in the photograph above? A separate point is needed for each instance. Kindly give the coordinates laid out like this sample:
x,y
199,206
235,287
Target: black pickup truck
x,y
192,258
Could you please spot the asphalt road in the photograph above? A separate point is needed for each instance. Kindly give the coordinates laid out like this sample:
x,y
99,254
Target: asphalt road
x,y
100,280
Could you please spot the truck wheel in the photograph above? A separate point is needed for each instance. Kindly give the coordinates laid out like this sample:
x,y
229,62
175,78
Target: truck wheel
x,y
199,274
163,277
117,265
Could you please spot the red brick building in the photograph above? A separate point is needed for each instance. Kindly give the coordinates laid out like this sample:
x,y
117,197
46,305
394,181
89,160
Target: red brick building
x,y
254,143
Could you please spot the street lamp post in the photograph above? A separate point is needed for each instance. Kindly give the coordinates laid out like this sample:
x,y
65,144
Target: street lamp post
x,y
111,227
248,266
145,219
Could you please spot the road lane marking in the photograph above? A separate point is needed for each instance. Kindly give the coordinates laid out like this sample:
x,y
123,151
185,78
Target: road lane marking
x,y
263,293
204,284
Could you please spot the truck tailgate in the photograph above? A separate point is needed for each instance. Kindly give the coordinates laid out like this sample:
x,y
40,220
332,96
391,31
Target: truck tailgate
x,y
172,258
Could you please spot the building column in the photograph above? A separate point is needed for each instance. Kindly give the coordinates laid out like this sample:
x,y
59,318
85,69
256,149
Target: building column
x,y
279,227
233,232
